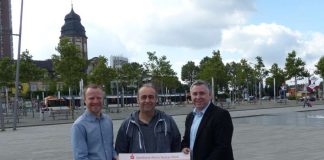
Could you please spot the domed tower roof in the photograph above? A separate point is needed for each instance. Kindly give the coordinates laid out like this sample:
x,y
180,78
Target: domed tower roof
x,y
72,25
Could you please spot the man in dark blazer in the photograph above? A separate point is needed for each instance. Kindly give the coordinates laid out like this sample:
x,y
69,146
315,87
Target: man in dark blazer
x,y
209,128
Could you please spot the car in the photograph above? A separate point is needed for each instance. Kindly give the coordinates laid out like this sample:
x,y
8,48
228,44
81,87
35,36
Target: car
x,y
250,98
310,98
266,98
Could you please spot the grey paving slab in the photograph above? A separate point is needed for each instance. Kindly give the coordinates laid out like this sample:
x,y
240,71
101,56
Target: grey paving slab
x,y
251,140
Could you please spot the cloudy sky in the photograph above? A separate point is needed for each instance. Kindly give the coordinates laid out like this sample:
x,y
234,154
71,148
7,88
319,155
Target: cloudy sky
x,y
183,30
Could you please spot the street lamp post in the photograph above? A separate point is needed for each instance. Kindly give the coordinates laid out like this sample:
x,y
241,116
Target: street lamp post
x,y
17,68
260,96
274,89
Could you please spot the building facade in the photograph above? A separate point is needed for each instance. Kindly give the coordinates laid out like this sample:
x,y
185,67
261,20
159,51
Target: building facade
x,y
5,29
74,30
118,61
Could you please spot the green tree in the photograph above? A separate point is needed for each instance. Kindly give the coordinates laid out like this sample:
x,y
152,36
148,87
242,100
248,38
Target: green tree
x,y
278,76
69,65
236,82
160,70
130,75
320,67
295,67
101,74
260,68
27,67
6,71
189,72
214,67
260,72
320,70
247,77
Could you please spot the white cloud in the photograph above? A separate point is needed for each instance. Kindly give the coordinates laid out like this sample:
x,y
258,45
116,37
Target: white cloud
x,y
313,49
183,30
270,41
196,24
135,24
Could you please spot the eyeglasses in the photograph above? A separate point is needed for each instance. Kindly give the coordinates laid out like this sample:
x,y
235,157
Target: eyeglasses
x,y
144,97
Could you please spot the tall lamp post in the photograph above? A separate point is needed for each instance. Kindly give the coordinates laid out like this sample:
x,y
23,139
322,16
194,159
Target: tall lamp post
x,y
274,89
17,68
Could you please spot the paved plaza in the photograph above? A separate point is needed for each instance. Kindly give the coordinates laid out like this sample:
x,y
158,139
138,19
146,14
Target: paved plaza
x,y
270,133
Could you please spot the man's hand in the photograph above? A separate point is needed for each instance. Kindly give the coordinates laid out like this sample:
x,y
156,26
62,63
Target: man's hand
x,y
116,158
186,150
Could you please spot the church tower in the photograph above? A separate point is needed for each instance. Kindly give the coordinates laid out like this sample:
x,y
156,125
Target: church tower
x,y
74,30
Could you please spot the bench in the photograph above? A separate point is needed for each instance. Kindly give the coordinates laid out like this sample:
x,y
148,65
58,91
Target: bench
x,y
252,101
282,101
224,104
9,118
114,109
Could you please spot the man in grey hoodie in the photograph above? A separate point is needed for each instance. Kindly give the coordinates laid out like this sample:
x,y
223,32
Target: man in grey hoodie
x,y
148,130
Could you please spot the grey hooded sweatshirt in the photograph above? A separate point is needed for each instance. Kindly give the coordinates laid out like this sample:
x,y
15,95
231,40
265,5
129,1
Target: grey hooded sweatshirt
x,y
165,138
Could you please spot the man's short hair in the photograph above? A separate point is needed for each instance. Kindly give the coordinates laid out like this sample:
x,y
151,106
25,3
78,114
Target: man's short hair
x,y
93,86
199,83
148,85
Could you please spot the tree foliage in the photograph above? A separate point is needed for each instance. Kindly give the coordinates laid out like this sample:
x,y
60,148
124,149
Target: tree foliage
x,y
260,70
28,71
214,67
101,74
189,72
278,75
234,73
295,67
320,67
160,70
130,75
69,65
6,71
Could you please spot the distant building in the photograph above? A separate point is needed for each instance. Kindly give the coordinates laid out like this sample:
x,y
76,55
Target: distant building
x,y
118,61
74,30
91,64
5,29
47,65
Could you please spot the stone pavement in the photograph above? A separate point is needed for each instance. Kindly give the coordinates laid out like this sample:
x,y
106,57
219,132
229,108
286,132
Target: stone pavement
x,y
252,140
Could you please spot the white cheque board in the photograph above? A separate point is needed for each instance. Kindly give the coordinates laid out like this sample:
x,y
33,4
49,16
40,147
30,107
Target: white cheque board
x,y
154,156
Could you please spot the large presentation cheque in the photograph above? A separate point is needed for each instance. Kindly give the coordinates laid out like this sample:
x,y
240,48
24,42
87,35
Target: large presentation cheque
x,y
154,156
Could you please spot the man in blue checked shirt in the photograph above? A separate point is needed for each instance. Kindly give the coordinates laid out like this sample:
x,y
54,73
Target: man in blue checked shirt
x,y
92,132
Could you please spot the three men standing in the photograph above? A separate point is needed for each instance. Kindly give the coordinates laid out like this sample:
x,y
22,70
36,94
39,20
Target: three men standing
x,y
208,129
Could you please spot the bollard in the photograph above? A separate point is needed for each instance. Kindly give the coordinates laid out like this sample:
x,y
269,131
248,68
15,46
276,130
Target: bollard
x,y
2,116
42,117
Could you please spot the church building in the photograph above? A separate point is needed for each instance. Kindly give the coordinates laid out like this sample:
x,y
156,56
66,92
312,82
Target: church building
x,y
74,30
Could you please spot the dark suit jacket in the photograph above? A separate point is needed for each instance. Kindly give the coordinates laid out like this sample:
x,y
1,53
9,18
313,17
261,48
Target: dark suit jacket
x,y
214,135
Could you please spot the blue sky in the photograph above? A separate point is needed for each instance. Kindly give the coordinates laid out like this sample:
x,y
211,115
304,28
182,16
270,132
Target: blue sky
x,y
301,15
183,30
